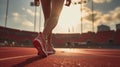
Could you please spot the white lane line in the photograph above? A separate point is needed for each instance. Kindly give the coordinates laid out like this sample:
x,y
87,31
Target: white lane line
x,y
104,55
9,58
82,51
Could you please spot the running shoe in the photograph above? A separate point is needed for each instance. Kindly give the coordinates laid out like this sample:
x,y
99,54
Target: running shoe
x,y
50,50
40,44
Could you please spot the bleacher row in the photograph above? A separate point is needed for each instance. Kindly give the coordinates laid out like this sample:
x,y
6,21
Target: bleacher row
x,y
26,37
90,38
18,37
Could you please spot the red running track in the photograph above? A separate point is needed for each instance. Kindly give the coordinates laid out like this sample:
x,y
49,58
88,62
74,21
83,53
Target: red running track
x,y
27,57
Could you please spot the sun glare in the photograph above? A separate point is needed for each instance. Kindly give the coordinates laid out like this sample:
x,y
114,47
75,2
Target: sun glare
x,y
70,17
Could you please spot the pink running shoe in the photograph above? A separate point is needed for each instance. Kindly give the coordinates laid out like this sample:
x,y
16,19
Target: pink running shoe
x,y
50,50
40,44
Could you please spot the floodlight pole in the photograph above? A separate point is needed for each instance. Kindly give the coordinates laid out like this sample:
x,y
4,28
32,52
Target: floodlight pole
x,y
92,17
40,19
81,17
35,19
33,4
6,17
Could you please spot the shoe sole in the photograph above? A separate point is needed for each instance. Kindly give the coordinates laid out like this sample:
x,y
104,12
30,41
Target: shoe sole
x,y
51,52
40,48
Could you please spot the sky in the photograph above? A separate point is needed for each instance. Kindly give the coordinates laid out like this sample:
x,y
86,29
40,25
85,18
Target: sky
x,y
21,16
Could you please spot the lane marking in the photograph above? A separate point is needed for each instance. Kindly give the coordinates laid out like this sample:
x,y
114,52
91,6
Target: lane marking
x,y
83,51
9,58
104,55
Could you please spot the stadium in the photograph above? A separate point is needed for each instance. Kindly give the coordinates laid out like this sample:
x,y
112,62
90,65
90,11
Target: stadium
x,y
92,39
101,39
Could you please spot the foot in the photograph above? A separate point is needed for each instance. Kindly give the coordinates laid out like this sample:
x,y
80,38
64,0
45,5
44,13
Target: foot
x,y
40,45
50,50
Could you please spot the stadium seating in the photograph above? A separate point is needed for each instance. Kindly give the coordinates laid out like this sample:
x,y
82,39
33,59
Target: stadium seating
x,y
26,37
17,36
117,37
86,37
62,39
103,37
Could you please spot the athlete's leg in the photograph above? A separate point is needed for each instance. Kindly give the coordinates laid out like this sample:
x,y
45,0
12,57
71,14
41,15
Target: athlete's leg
x,y
54,16
46,5
53,19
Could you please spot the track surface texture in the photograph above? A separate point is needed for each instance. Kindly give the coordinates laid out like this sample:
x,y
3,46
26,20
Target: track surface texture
x,y
64,57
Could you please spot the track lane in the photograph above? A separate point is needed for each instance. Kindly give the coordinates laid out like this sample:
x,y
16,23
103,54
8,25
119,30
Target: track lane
x,y
6,52
26,57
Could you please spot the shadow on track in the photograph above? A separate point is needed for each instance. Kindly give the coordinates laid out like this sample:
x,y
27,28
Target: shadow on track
x,y
28,61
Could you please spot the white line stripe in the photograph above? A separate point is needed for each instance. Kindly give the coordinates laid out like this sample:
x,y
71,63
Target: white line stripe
x,y
82,51
9,58
102,55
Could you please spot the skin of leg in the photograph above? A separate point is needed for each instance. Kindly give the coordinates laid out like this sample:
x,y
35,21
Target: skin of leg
x,y
54,16
47,11
46,6
51,22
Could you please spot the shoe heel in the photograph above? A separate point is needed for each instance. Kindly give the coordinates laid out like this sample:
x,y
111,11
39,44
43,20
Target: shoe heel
x,y
39,49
